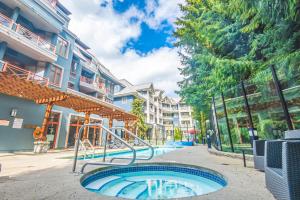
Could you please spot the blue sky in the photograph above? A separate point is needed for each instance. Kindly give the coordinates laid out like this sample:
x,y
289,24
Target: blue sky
x,y
150,39
132,38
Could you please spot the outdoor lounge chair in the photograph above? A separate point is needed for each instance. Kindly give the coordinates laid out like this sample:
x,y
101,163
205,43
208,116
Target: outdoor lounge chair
x,y
282,169
259,154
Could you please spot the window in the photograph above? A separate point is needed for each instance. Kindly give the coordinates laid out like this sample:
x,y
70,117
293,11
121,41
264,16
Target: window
x,y
55,75
74,67
124,100
62,47
71,86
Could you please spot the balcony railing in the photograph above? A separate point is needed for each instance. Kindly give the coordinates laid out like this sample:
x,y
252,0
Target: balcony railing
x,y
5,21
86,80
51,3
34,38
12,70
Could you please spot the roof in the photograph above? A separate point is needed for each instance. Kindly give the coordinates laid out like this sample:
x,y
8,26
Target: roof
x,y
108,73
142,87
82,44
128,91
159,92
63,8
126,82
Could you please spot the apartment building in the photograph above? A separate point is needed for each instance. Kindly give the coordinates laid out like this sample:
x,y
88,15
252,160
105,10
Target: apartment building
x,y
176,114
162,113
36,45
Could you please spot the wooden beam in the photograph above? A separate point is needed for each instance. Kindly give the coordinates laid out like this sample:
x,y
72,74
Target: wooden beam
x,y
86,121
52,99
46,120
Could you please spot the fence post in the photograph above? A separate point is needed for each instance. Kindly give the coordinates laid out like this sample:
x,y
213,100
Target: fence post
x,y
248,110
216,122
227,122
282,99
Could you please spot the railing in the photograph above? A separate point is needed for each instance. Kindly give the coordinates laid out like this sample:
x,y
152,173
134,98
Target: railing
x,y
106,138
51,3
23,74
83,145
137,138
36,39
86,80
5,21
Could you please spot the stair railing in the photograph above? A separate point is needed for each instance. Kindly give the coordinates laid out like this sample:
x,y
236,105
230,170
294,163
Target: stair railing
x,y
132,160
135,137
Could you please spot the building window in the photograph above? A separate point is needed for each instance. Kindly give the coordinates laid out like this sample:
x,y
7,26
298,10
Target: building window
x,y
124,100
71,86
62,47
74,67
55,75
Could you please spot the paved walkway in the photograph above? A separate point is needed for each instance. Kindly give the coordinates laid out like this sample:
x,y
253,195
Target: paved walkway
x,y
49,177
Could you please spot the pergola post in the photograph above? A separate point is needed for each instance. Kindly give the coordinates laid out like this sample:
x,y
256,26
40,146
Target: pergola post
x,y
86,121
100,134
127,128
46,120
110,125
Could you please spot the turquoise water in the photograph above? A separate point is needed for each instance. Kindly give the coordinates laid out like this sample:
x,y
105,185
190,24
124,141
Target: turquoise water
x,y
139,153
153,185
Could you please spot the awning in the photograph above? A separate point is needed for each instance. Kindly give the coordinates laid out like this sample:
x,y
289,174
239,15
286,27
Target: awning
x,y
192,131
20,83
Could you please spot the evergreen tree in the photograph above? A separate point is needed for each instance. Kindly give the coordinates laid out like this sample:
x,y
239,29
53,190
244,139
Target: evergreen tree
x,y
137,109
224,42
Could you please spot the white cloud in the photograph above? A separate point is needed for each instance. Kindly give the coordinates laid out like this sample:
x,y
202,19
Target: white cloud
x,y
106,32
162,10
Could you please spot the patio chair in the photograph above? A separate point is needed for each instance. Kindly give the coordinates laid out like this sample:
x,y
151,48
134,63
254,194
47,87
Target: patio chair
x,y
282,169
259,154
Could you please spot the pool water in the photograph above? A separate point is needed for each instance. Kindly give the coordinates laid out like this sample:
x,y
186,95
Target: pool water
x,y
154,182
139,153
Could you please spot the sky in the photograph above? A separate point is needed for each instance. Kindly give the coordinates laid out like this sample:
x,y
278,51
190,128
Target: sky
x,y
132,38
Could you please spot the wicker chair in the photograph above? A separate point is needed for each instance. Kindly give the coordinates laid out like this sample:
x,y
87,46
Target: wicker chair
x,y
282,169
259,154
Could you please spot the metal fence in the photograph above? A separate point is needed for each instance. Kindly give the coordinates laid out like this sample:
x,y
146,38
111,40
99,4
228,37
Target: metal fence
x,y
260,108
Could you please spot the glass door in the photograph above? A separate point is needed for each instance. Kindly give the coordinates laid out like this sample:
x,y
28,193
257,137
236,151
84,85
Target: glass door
x,y
52,129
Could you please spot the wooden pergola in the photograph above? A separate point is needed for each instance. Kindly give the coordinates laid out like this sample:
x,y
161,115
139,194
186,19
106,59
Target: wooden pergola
x,y
20,83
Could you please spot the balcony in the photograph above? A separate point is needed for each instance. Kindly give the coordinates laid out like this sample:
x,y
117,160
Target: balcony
x,y
25,41
50,3
89,66
42,13
12,70
89,85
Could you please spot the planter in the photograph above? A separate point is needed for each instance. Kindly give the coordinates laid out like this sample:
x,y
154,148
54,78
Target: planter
x,y
41,146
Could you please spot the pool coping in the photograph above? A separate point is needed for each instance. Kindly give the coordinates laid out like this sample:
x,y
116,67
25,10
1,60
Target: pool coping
x,y
94,172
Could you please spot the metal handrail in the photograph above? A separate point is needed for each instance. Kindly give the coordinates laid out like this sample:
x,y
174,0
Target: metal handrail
x,y
139,139
101,163
85,148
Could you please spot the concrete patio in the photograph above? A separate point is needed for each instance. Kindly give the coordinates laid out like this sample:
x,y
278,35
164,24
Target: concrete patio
x,y
49,176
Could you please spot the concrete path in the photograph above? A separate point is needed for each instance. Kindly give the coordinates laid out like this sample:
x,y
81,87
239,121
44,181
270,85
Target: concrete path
x,y
49,177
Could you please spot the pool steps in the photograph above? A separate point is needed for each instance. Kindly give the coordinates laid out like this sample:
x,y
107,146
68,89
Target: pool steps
x,y
96,185
132,191
114,187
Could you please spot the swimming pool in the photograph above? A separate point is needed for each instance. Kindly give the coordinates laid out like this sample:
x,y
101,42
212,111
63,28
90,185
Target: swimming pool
x,y
153,181
139,153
